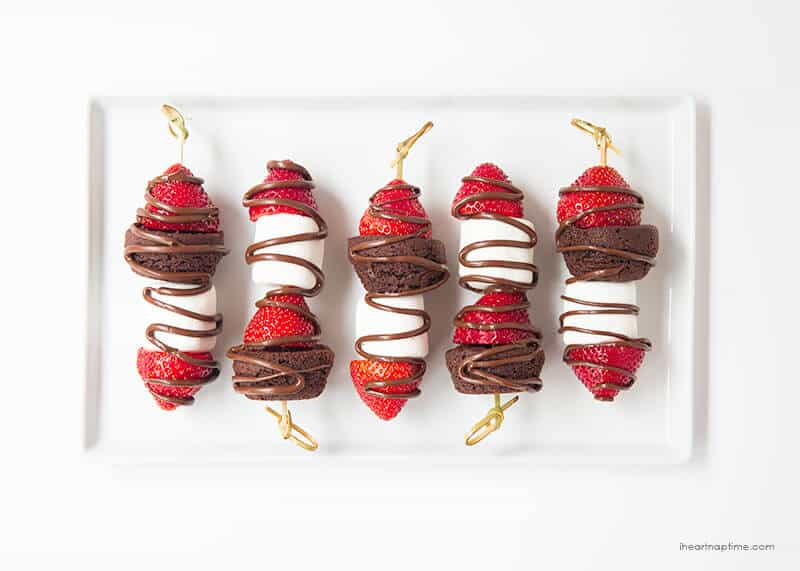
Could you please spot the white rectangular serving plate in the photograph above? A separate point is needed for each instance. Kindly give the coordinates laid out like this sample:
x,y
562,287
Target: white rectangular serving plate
x,y
347,144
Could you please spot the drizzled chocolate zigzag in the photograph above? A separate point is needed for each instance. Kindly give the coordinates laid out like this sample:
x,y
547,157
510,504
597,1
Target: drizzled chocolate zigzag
x,y
433,268
475,368
493,283
252,353
601,308
170,244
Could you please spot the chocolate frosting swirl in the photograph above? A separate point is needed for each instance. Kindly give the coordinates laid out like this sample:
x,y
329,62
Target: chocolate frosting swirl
x,y
200,282
475,369
244,384
596,307
380,210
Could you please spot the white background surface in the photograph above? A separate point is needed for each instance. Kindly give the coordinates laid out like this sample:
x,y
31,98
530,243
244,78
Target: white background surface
x,y
742,484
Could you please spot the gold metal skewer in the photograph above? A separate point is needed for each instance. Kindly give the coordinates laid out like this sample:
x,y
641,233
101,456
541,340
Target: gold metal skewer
x,y
404,146
290,431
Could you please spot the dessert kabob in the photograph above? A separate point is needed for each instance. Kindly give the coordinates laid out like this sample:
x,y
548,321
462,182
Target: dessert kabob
x,y
498,350
606,249
397,261
281,357
176,244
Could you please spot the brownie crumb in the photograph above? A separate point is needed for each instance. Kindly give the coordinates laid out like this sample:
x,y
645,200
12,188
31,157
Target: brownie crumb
x,y
296,358
523,370
641,240
179,262
395,277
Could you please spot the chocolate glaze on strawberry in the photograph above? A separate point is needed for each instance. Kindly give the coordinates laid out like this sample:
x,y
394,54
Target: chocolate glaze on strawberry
x,y
285,380
436,275
175,214
141,243
615,271
472,374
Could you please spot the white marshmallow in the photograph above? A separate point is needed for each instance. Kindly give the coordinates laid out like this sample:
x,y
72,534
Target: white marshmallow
x,y
205,303
478,230
372,321
608,292
272,273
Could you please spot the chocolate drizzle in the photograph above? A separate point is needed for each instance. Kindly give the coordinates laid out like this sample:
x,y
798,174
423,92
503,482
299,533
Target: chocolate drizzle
x,y
475,368
251,352
252,254
371,298
494,283
179,215
597,307
199,282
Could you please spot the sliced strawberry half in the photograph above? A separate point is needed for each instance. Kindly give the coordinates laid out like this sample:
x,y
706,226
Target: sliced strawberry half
x,y
618,356
270,322
499,206
181,194
400,201
469,336
304,195
166,366
364,371
573,203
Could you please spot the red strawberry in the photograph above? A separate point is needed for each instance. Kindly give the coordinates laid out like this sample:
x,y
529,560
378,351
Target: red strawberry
x,y
303,195
601,176
182,195
573,203
364,371
499,206
273,322
161,365
620,356
396,201
468,336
